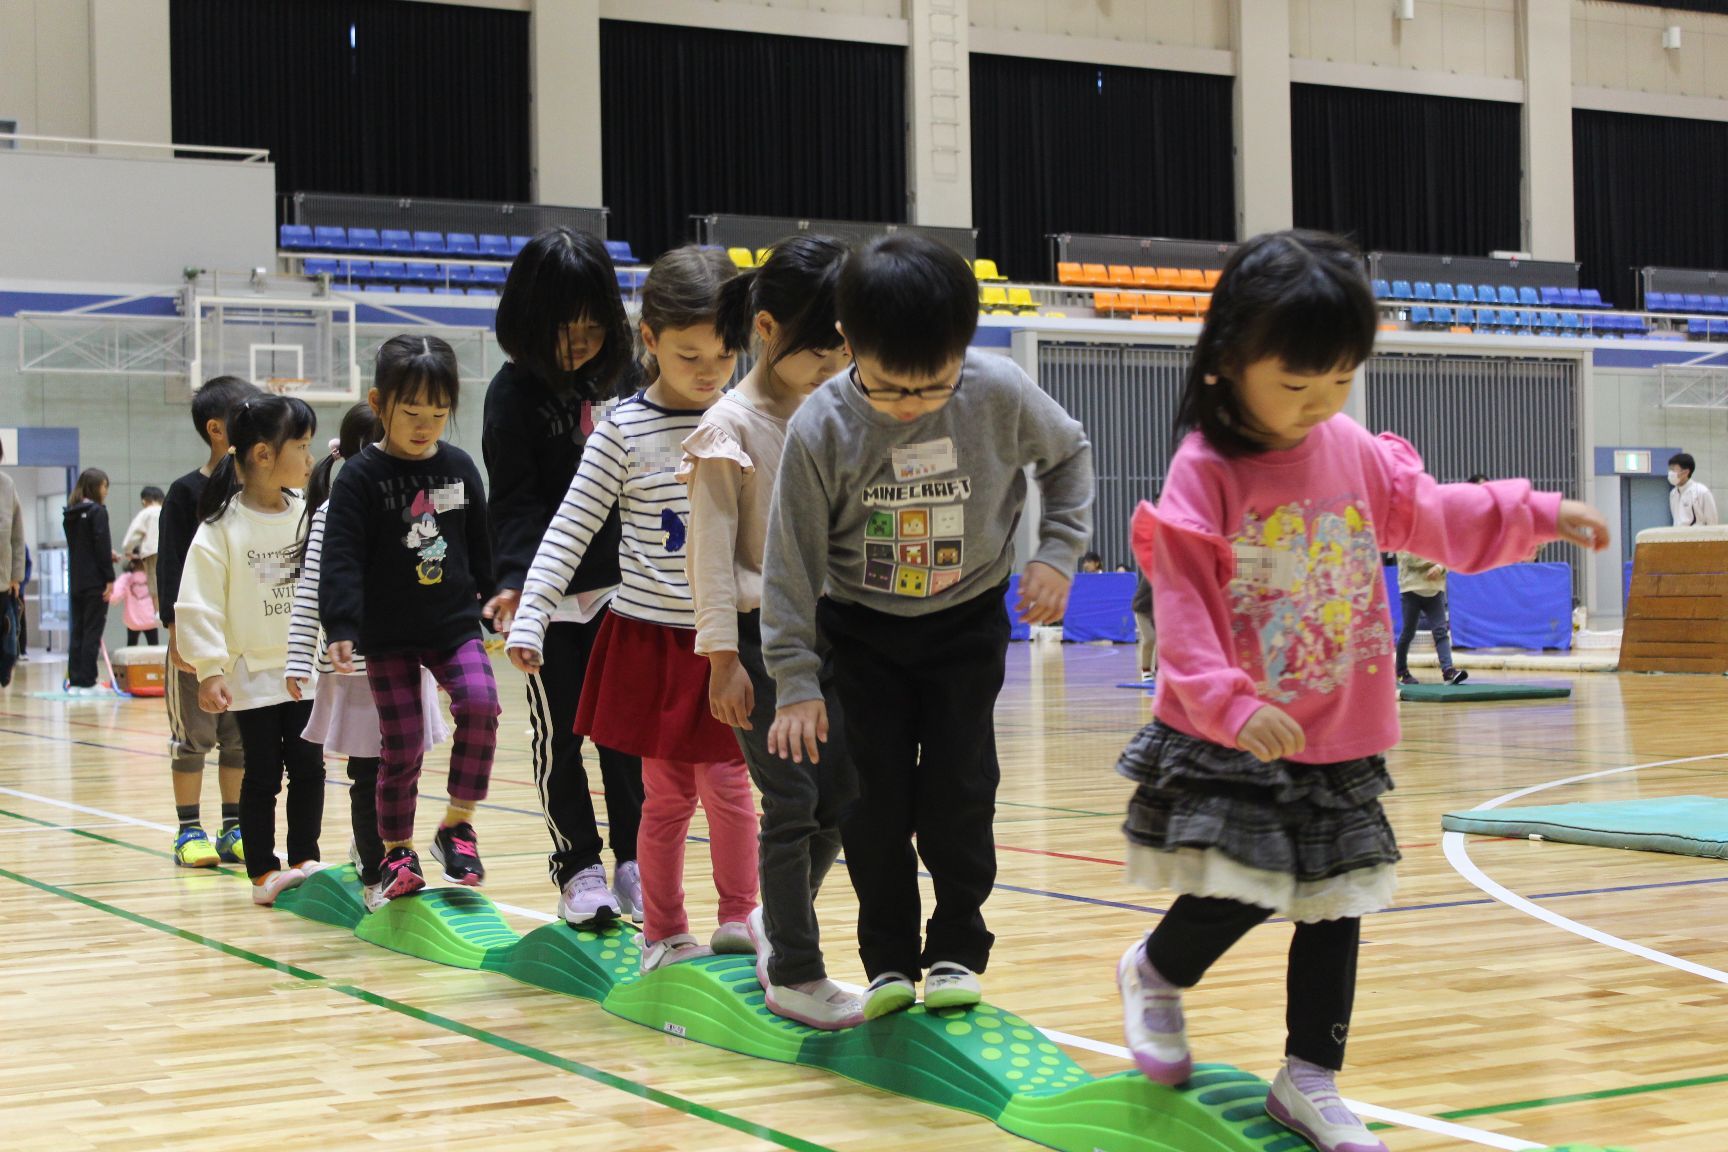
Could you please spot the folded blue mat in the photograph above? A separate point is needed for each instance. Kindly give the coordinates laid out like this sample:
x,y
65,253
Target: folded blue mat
x,y
1683,825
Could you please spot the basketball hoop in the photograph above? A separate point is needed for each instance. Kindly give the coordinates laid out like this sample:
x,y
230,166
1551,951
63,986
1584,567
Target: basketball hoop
x,y
286,385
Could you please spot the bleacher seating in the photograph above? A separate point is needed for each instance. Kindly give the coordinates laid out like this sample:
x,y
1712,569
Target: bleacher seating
x,y
443,279
494,247
986,271
620,251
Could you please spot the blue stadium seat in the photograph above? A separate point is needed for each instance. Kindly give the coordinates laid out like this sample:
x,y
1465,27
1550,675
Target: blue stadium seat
x,y
1444,294
387,271
630,281
1421,315
1486,294
319,267
1466,293
1633,325
1656,301
396,240
1698,329
295,237
1508,295
461,244
352,270
462,274
1528,297
429,244
1424,290
1692,301
517,243
491,274
1550,321
495,246
1382,290
414,290
364,240
1467,315
1591,298
1443,316
1400,290
1570,323
442,291
492,292
1715,304
1550,297
421,273
1572,298
1511,320
620,251
327,239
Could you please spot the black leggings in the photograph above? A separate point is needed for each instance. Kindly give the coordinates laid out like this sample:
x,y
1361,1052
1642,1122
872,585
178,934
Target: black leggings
x,y
1321,980
271,741
148,635
363,812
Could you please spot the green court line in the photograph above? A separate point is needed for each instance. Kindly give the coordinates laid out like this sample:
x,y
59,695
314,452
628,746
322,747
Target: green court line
x,y
502,1043
218,869
1586,1097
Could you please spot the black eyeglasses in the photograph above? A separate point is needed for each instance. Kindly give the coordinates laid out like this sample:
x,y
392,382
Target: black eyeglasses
x,y
928,392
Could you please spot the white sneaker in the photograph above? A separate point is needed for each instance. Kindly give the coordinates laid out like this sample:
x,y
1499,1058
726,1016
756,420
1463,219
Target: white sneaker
x,y
757,923
373,896
274,884
585,898
1304,1098
818,1004
310,867
889,993
672,950
951,985
1152,1022
733,938
627,883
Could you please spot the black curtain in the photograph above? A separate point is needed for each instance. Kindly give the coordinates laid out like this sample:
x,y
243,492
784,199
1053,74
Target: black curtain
x,y
696,121
1720,7
1404,173
1647,190
361,96
1060,147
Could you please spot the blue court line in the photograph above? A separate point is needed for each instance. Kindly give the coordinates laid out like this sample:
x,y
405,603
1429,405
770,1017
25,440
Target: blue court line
x,y
1069,897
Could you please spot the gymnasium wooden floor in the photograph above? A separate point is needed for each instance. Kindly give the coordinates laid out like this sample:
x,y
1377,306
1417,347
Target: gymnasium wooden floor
x,y
144,1006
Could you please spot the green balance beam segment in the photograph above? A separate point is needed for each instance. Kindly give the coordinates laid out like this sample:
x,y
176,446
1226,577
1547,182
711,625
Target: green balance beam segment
x,y
982,1060
1478,693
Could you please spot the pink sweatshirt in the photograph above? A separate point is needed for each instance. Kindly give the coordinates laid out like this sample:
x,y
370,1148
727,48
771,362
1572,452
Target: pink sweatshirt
x,y
132,590
1266,573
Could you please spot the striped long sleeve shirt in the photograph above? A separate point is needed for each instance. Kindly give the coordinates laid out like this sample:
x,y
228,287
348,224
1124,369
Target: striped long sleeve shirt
x,y
631,460
305,634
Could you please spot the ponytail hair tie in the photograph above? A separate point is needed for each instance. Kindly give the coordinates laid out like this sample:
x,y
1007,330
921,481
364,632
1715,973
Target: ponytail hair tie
x,y
336,447
231,451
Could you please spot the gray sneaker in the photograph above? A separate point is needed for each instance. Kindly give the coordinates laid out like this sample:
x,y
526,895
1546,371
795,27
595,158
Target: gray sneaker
x,y
586,899
627,884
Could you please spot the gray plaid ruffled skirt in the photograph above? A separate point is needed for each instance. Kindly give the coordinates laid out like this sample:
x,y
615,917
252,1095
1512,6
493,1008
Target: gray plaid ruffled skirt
x,y
1309,841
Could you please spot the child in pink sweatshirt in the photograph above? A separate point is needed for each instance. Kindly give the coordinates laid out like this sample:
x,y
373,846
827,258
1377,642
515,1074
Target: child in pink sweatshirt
x,y
132,592
1260,779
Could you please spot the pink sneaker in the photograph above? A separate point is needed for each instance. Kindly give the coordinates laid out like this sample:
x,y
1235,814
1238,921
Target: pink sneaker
x,y
1304,1098
1152,1020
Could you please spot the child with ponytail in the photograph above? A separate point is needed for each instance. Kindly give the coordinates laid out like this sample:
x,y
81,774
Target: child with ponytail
x,y
231,623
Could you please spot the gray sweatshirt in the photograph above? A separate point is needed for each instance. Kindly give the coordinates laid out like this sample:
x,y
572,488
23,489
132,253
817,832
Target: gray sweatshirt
x,y
912,518
11,535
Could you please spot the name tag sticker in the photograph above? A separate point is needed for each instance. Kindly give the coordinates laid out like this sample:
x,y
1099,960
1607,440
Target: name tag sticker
x,y
1262,567
931,458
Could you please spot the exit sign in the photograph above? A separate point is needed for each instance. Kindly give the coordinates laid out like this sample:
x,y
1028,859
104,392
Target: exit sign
x,y
1637,463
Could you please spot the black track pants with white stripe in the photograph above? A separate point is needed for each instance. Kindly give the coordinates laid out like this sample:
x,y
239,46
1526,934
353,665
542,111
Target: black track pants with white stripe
x,y
559,774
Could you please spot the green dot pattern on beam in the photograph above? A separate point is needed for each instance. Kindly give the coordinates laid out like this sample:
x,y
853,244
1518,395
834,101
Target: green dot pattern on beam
x,y
983,1060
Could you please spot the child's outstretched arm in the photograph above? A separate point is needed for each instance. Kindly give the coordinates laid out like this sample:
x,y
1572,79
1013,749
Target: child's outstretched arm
x,y
793,571
1474,527
303,626
1055,446
596,487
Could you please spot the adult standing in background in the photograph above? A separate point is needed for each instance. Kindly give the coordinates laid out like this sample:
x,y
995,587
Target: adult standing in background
x,y
142,538
1691,503
90,575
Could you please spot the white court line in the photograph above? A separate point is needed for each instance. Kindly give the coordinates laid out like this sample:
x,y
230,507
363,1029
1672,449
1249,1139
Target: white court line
x,y
1458,855
57,828
1370,1111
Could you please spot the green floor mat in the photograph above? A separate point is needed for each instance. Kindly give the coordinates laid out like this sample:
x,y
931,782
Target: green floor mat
x,y
1469,692
1683,825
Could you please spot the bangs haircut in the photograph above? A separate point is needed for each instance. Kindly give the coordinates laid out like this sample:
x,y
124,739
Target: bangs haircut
x,y
909,303
1300,298
417,370
561,277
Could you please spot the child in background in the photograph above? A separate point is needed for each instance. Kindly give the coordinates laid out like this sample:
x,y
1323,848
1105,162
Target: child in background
x,y
1422,592
344,719
1145,628
646,692
90,577
192,732
232,618
407,559
1259,782
1091,562
137,609
144,539
892,535
730,463
562,324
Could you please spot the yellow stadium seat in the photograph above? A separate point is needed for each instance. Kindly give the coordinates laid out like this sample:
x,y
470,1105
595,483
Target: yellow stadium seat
x,y
1021,299
741,257
762,256
993,298
986,270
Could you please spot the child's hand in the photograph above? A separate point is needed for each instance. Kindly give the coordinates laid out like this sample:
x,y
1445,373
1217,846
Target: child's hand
x,y
1582,525
295,685
501,609
799,729
731,696
179,662
526,660
1271,734
213,694
1043,594
341,655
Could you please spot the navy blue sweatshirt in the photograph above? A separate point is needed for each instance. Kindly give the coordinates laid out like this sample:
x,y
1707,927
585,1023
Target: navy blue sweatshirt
x,y
174,534
407,553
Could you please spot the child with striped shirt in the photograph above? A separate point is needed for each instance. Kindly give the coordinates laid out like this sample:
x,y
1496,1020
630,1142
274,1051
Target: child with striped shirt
x,y
646,692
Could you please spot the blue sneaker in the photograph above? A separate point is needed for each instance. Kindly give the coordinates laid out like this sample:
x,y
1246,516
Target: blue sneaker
x,y
229,848
192,849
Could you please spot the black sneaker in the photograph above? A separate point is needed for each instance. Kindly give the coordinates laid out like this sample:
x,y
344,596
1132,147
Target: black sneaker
x,y
1455,676
456,848
401,874
1406,678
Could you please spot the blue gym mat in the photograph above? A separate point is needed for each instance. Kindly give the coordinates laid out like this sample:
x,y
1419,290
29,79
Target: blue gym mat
x,y
1683,825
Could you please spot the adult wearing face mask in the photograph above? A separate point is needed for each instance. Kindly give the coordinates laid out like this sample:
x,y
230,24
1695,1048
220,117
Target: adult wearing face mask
x,y
1691,503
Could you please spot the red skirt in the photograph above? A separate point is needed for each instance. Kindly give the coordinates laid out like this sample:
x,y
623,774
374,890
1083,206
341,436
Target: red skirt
x,y
646,694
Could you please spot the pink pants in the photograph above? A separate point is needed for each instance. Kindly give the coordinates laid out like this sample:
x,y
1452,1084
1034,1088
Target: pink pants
x,y
670,791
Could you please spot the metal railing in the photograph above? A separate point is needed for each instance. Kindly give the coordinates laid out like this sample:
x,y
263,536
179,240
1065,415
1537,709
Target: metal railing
x,y
723,230
411,214
9,141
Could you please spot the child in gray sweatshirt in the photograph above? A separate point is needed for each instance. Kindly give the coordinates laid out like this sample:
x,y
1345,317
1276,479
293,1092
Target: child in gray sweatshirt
x,y
892,532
